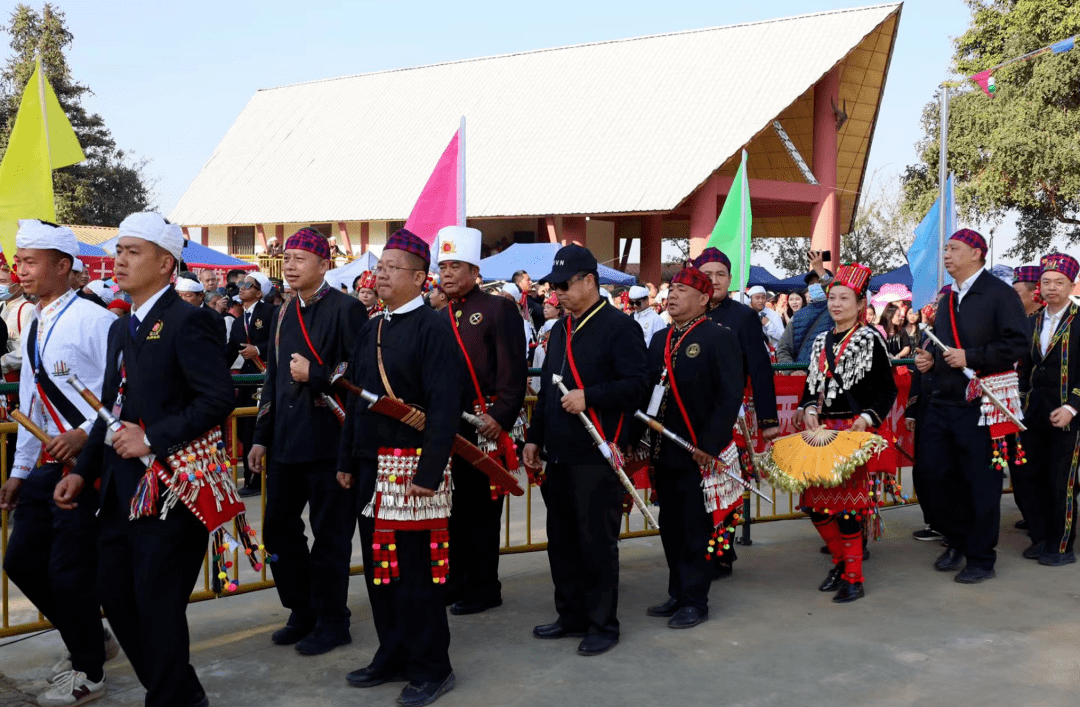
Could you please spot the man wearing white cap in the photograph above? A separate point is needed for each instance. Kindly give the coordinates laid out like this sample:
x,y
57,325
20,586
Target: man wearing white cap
x,y
52,553
486,331
643,312
250,338
771,322
166,380
16,311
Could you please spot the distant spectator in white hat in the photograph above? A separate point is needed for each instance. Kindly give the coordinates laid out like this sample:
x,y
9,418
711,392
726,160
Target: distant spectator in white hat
x,y
643,313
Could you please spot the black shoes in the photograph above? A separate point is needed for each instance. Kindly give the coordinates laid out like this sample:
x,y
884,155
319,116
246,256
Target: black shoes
x,y
1057,559
323,640
416,694
595,644
370,677
473,606
1021,524
927,534
849,592
949,561
249,491
688,617
295,630
668,608
556,630
1034,550
833,579
974,575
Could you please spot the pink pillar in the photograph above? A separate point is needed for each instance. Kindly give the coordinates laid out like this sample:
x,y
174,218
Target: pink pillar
x,y
825,216
652,231
343,232
704,210
261,233
573,230
187,236
365,236
548,231
205,234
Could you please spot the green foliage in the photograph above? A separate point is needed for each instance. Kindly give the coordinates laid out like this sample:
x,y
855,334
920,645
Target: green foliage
x,y
106,187
1019,151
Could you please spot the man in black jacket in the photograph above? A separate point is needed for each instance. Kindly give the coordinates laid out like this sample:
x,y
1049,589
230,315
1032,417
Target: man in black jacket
x,y
408,353
250,338
310,336
600,353
982,322
487,329
699,365
167,360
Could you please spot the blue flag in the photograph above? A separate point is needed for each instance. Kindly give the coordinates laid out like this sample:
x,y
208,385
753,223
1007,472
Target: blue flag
x,y
924,256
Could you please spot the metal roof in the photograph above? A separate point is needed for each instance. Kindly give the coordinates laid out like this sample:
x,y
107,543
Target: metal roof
x,y
622,126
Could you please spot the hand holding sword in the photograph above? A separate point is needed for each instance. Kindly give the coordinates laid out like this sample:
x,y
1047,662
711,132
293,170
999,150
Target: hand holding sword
x,y
658,427
610,456
994,400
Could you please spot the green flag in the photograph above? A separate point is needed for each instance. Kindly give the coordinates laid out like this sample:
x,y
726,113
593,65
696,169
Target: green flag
x,y
731,234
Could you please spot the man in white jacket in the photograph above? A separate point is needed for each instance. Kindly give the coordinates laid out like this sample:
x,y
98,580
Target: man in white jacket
x,y
643,313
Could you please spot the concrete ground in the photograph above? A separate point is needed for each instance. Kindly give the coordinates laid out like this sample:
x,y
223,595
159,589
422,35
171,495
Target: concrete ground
x,y
918,638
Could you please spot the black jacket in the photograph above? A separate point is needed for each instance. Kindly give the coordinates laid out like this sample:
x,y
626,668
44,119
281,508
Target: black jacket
x,y
294,423
425,369
874,394
490,328
1049,382
258,333
994,333
747,326
609,351
709,376
178,387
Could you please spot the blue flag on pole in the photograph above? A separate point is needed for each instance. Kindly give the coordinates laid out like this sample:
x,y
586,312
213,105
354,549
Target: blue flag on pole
x,y
924,256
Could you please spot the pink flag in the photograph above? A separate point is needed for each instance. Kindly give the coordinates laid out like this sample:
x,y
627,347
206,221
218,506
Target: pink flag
x,y
983,78
442,201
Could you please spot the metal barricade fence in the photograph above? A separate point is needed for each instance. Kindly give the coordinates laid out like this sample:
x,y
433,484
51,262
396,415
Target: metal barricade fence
x,y
523,523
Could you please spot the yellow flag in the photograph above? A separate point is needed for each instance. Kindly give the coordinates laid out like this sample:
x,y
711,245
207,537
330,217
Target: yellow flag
x,y
41,141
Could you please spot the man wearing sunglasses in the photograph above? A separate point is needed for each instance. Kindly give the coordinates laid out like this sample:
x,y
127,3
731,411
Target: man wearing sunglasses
x,y
646,317
600,353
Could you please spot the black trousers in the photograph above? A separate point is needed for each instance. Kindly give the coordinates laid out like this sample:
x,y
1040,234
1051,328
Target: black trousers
x,y
685,529
52,557
475,534
584,509
1045,487
146,572
409,614
313,583
962,489
918,479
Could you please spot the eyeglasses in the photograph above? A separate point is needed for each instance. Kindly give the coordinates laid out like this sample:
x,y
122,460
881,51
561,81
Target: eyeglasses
x,y
564,286
389,270
247,285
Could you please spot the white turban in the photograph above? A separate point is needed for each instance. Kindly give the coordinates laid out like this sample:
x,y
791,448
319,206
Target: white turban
x,y
99,288
184,284
263,280
77,265
756,290
35,234
153,228
638,292
512,290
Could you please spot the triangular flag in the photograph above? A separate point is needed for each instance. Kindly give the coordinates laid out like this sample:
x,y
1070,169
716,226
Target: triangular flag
x,y
441,203
41,141
924,255
985,79
731,234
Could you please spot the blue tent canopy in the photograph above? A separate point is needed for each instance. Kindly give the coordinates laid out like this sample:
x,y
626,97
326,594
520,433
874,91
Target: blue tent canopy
x,y
761,276
91,251
899,276
536,259
790,284
197,255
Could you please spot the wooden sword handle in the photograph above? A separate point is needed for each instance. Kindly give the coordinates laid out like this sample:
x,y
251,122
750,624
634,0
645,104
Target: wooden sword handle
x,y
26,422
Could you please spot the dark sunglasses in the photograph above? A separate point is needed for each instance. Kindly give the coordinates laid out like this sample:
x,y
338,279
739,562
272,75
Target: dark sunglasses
x,y
564,286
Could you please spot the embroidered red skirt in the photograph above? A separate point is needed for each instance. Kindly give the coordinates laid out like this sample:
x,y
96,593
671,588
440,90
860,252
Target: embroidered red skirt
x,y
854,495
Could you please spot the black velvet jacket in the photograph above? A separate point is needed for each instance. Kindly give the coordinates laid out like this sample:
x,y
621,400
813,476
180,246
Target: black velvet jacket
x,y
747,326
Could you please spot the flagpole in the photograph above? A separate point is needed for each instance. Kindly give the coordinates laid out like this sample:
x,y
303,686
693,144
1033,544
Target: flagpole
x,y
461,173
44,111
744,267
943,156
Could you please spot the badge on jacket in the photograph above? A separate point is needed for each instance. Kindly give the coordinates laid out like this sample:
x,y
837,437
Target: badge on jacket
x,y
258,324
155,331
476,318
693,350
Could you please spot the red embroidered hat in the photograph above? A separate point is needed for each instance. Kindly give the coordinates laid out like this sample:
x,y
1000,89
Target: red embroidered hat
x,y
852,275
1062,263
692,277
409,242
712,255
971,238
310,240
1026,273
367,281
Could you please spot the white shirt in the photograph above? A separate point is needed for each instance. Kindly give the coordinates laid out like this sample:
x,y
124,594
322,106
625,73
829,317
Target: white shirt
x,y
16,313
962,288
409,306
72,337
774,327
650,323
1050,324
143,310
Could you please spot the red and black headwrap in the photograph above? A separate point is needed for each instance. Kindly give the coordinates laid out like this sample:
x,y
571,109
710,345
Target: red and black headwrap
x,y
971,238
310,240
409,242
711,255
692,277
852,275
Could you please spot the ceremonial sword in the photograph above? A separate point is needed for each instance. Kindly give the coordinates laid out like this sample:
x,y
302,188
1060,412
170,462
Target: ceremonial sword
x,y
656,425
605,449
994,400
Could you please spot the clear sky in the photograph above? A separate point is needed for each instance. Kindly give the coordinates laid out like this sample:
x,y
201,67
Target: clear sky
x,y
170,78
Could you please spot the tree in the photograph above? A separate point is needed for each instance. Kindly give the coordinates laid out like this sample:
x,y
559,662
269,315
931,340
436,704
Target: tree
x,y
106,187
1019,151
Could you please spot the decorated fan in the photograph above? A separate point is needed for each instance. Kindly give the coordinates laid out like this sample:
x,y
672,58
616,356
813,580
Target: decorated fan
x,y
820,458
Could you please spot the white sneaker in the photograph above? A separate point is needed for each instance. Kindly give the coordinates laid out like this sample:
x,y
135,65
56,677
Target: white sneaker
x,y
112,649
71,688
